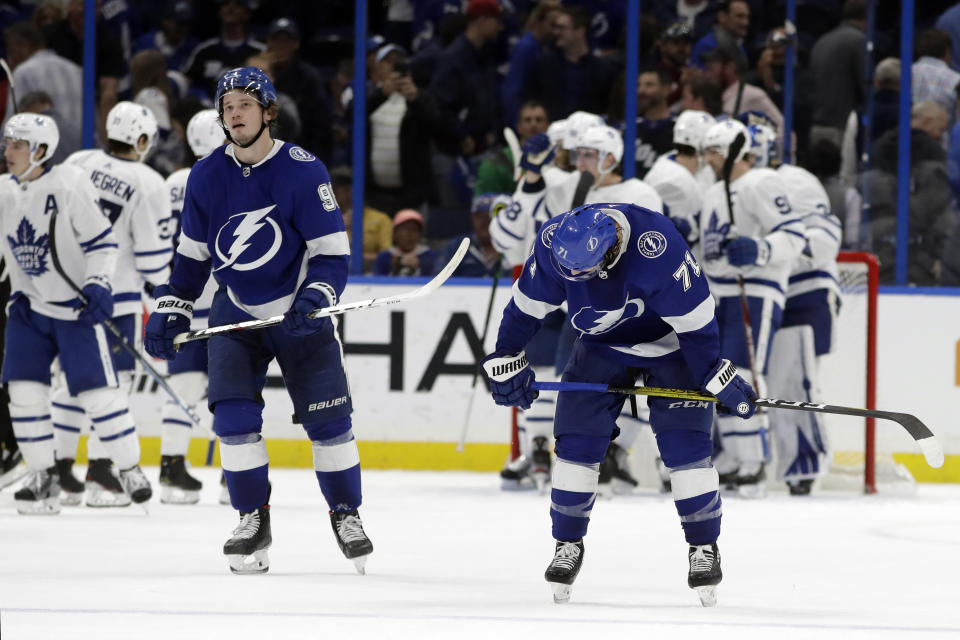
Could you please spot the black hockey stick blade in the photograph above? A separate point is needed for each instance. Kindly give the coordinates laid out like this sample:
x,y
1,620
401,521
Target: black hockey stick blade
x,y
583,185
928,443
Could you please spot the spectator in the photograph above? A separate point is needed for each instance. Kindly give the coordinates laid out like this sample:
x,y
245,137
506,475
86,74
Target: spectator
x,y
377,226
696,15
483,259
66,38
733,23
180,116
569,77
408,256
303,83
703,94
229,50
523,58
151,88
933,79
837,63
174,38
931,215
949,21
495,174
465,84
48,12
71,137
654,121
289,125
36,68
400,122
886,116
845,200
674,48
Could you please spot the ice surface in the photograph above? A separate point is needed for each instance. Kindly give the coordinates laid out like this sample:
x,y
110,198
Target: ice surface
x,y
457,558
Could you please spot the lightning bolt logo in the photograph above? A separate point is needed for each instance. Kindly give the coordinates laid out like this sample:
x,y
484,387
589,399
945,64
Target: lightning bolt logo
x,y
250,223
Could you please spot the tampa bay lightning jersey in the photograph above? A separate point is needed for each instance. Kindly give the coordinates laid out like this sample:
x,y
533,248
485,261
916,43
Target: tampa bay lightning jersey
x,y
650,307
177,189
264,230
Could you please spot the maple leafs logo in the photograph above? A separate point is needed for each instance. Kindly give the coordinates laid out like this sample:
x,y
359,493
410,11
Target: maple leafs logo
x,y
714,237
30,251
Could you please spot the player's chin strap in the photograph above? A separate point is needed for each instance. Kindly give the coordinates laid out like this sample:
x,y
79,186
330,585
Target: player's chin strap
x,y
263,126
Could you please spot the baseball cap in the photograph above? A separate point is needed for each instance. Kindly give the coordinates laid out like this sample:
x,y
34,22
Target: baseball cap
x,y
679,30
387,49
483,202
374,43
406,215
480,8
284,25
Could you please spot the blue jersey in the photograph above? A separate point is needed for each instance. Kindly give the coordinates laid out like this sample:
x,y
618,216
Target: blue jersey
x,y
264,230
653,307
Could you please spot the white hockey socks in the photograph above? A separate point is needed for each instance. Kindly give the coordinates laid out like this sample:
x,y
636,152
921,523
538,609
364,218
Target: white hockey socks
x,y
30,414
109,412
745,440
177,428
69,423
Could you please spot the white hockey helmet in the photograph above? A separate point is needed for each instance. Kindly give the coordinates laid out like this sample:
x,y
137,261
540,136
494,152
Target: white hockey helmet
x,y
35,129
763,144
721,135
577,123
604,139
690,128
127,121
204,132
556,130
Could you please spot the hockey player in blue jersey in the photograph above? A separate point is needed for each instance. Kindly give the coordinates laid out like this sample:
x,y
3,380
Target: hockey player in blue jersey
x,y
643,310
260,213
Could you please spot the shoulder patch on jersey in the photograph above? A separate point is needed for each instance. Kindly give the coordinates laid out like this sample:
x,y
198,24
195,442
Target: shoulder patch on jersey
x,y
547,236
301,155
652,244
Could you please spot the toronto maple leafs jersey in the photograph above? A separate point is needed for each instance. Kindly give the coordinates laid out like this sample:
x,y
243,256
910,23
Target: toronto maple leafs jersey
x,y
706,177
134,198
176,189
815,267
650,307
514,228
681,193
761,210
85,246
264,230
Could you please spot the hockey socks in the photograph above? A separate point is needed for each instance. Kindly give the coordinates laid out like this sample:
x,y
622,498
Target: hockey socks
x,y
336,462
696,494
575,487
30,415
245,465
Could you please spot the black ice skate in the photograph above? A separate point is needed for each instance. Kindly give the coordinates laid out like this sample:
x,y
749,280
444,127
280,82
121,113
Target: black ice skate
x,y
71,489
515,476
103,487
800,487
540,463
11,467
39,495
353,541
136,485
563,569
751,480
615,472
177,486
246,551
705,573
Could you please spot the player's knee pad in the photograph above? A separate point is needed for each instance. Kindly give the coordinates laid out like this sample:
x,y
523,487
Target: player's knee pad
x,y
109,412
581,448
191,386
29,408
242,452
321,431
681,447
336,454
237,417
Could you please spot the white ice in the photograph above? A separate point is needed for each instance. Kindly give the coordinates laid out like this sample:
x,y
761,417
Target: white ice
x,y
457,558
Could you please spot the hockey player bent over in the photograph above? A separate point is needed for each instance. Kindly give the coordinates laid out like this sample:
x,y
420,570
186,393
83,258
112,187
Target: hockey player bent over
x,y
48,319
260,213
643,310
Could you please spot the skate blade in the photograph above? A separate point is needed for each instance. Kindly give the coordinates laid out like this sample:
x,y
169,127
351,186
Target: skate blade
x,y
561,592
708,595
48,507
752,491
360,563
70,499
256,562
106,499
173,495
13,475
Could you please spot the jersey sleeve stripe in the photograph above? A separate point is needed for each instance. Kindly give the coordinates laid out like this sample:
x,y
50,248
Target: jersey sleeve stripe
x,y
105,232
97,247
693,320
535,308
140,254
507,231
812,230
332,244
786,223
157,270
193,249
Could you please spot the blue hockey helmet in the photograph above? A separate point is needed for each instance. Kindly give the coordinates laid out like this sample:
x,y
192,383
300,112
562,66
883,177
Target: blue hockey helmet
x,y
250,80
581,240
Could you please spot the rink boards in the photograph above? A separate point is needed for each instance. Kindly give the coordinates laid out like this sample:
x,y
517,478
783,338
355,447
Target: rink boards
x,y
411,367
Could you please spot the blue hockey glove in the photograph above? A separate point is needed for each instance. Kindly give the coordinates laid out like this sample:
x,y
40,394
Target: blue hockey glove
x,y
735,395
171,316
296,322
510,379
536,152
99,306
745,251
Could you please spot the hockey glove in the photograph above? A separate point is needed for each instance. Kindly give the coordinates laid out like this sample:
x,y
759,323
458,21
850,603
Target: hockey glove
x,y
510,379
735,395
171,317
98,306
745,251
536,152
297,321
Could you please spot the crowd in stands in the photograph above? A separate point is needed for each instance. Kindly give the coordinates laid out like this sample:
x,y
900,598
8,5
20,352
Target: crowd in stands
x,y
444,77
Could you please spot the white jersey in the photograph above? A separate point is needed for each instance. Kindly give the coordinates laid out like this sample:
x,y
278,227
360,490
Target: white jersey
x,y
706,177
514,229
177,188
681,193
816,267
86,246
761,210
134,198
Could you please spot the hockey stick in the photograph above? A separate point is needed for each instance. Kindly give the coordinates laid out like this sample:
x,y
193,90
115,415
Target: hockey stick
x,y
514,143
928,443
13,89
337,309
112,328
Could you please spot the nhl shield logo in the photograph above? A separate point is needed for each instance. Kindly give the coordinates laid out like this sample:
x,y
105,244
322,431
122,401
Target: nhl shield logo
x,y
652,244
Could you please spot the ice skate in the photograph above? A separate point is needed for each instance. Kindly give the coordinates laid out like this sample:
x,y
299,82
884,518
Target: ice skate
x,y
71,489
103,488
353,541
515,476
800,487
563,569
615,478
136,485
751,480
705,573
39,495
246,551
540,463
177,486
224,491
11,467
